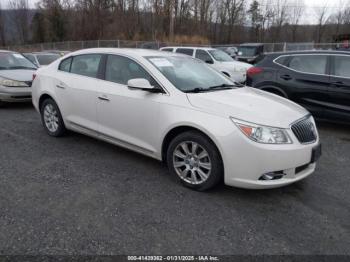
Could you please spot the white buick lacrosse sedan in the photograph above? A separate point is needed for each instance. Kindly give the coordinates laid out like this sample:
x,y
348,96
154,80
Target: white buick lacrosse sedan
x,y
179,110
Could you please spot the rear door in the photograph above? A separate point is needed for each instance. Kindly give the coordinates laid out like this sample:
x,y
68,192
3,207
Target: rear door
x,y
76,90
305,78
338,105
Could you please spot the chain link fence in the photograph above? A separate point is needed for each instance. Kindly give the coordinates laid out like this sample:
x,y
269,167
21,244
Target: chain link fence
x,y
76,45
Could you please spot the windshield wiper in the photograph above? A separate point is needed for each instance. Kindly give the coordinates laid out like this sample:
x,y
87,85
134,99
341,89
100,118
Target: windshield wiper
x,y
197,90
222,87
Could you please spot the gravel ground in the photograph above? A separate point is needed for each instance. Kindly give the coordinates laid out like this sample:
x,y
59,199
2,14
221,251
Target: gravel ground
x,y
78,195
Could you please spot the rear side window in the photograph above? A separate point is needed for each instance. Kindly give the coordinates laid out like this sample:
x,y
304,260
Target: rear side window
x,y
65,65
203,55
282,60
168,49
314,64
342,66
186,51
86,65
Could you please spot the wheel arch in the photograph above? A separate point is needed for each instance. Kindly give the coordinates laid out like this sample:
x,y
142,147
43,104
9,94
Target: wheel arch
x,y
42,98
175,131
274,90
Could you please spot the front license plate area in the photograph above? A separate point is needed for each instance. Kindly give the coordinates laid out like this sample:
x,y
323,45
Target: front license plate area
x,y
316,153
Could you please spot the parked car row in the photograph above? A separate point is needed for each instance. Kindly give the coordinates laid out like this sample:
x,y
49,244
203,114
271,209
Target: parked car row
x,y
186,107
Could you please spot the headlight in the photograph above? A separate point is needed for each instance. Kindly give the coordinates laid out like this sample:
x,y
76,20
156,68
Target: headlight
x,y
263,134
12,83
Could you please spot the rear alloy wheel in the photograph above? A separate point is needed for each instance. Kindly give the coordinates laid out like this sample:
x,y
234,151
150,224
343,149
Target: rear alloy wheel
x,y
52,119
195,160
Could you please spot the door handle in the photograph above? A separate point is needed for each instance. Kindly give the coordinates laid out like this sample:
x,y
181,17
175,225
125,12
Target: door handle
x,y
286,77
61,87
103,98
337,84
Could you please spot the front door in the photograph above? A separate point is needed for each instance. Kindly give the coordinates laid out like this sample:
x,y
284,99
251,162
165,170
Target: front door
x,y
127,117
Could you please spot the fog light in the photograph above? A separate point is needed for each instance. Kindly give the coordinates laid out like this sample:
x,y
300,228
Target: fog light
x,y
272,176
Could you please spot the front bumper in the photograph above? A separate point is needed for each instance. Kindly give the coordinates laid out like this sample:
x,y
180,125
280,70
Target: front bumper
x,y
245,161
15,94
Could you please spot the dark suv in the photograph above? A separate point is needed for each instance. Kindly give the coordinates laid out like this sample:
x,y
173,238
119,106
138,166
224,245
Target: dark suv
x,y
317,80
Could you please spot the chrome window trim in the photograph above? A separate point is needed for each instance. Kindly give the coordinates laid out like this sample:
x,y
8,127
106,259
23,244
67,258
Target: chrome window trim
x,y
274,61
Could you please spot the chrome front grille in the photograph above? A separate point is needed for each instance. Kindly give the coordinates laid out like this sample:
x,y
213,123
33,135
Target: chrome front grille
x,y
305,131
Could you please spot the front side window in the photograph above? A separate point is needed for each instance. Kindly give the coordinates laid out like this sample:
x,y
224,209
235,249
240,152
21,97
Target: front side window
x,y
46,59
342,66
86,65
188,74
11,61
186,51
220,56
203,55
314,64
65,65
121,69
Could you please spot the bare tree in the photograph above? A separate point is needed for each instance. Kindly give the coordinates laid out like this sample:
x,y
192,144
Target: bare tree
x,y
20,18
2,28
322,16
296,14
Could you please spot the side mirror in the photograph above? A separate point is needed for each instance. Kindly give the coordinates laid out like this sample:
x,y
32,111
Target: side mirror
x,y
141,84
209,61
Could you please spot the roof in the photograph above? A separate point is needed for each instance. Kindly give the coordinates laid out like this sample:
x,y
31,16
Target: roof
x,y
251,44
190,47
309,52
7,51
125,51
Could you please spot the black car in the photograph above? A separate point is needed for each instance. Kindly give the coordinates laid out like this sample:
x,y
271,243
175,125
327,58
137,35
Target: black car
x,y
250,52
317,80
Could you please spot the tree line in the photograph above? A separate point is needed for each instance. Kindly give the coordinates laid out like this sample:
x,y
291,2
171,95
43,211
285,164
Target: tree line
x,y
185,21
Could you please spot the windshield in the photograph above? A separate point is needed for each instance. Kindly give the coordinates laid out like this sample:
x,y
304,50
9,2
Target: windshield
x,y
247,51
9,61
45,59
189,74
220,56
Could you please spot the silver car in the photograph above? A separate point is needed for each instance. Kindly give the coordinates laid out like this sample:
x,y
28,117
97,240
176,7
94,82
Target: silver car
x,y
16,74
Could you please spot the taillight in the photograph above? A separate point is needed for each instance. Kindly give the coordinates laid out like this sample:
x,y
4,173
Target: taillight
x,y
34,76
254,71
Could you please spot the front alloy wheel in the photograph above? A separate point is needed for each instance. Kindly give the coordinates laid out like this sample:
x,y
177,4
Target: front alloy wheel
x,y
192,162
195,160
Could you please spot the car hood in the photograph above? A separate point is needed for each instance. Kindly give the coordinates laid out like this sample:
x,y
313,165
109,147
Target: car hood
x,y
18,74
249,104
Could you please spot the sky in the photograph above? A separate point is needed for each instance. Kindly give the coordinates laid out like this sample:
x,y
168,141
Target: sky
x,y
309,13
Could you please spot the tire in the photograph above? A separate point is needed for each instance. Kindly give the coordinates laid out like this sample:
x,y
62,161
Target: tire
x,y
51,118
189,168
